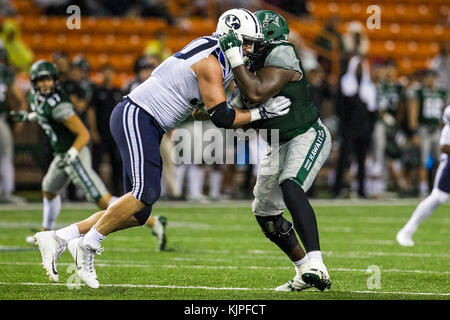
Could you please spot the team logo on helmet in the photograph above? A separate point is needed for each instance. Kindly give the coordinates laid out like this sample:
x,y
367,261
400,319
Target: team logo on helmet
x,y
232,21
270,18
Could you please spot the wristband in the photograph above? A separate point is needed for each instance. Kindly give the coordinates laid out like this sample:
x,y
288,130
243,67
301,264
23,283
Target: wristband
x,y
255,114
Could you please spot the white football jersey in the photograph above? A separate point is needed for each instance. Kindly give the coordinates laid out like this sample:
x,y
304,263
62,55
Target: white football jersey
x,y
445,140
171,93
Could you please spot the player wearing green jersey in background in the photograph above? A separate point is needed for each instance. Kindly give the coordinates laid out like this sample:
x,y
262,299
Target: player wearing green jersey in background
x,y
10,97
54,111
390,109
305,144
425,107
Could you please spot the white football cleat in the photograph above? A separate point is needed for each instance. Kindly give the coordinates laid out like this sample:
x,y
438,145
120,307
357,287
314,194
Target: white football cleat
x,y
316,275
404,239
51,248
159,231
30,240
84,261
296,284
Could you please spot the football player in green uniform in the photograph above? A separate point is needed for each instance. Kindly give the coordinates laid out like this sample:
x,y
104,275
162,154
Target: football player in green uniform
x,y
390,101
304,145
53,110
10,96
425,107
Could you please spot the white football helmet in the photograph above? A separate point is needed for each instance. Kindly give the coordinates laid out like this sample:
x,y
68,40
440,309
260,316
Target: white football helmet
x,y
243,22
446,115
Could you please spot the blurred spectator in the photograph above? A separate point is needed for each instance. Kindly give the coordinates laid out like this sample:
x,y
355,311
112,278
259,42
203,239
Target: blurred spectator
x,y
20,55
330,29
104,98
355,40
53,7
355,107
143,68
6,9
158,46
224,5
156,8
441,64
62,62
87,7
296,7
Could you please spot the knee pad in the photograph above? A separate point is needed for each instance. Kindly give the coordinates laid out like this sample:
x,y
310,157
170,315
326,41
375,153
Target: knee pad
x,y
278,230
143,215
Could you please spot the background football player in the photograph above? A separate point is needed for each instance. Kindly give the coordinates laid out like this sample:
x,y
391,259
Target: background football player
x,y
305,144
425,106
54,111
440,191
10,97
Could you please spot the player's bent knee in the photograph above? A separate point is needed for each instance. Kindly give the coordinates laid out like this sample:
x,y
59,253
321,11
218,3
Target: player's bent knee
x,y
49,195
143,215
439,195
278,230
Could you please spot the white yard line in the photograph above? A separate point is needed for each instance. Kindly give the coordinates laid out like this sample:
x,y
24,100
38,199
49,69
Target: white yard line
x,y
226,204
130,264
151,286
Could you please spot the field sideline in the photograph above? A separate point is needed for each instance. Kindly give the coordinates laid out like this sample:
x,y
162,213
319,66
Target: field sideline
x,y
217,251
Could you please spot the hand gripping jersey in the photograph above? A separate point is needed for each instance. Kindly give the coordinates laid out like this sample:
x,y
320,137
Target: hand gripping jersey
x,y
171,93
51,112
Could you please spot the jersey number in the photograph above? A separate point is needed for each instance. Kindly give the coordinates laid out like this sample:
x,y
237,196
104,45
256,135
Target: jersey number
x,y
186,55
432,108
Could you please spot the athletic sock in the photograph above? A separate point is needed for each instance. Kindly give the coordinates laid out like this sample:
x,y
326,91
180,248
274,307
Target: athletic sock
x,y
315,255
303,260
68,233
93,238
425,208
302,214
51,211
6,176
215,182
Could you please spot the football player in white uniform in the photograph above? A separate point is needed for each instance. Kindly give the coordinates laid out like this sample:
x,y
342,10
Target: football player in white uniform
x,y
440,191
194,76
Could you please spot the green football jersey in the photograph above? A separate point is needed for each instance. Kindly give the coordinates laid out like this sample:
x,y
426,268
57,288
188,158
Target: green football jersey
x,y
51,112
431,106
303,114
389,96
6,80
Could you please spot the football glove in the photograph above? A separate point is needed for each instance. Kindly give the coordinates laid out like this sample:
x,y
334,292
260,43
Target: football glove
x,y
22,116
272,108
231,46
67,158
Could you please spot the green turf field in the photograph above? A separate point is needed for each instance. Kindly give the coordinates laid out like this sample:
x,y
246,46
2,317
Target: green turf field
x,y
219,252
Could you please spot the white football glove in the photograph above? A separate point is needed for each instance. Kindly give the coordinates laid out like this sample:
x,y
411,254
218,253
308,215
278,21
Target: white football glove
x,y
68,158
272,108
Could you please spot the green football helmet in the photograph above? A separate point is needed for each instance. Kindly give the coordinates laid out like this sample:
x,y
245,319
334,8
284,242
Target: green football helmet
x,y
42,68
274,27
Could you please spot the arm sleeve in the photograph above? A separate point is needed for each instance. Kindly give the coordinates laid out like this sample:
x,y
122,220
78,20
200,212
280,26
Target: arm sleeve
x,y
283,57
63,111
